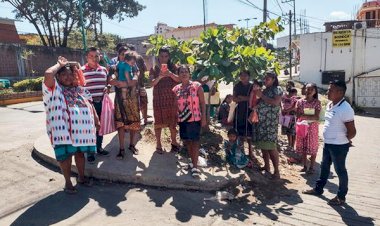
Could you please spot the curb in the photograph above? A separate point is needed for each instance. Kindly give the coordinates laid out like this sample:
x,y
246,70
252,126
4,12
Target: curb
x,y
19,101
174,182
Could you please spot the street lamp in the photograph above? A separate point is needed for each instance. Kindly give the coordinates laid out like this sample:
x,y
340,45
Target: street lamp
x,y
247,19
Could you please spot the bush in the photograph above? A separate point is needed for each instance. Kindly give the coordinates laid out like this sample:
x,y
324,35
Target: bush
x,y
28,85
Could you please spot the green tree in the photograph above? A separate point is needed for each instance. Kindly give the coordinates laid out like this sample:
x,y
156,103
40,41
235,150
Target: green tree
x,y
55,20
105,41
221,53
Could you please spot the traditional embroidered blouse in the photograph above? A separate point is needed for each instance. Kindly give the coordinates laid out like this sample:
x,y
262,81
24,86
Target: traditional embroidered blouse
x,y
69,116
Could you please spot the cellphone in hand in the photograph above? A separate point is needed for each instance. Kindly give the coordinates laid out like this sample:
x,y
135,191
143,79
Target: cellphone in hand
x,y
164,67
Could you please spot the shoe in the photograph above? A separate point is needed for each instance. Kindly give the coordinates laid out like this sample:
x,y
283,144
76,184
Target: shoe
x,y
336,201
102,152
175,148
70,191
133,149
85,182
304,169
311,192
91,159
120,156
195,173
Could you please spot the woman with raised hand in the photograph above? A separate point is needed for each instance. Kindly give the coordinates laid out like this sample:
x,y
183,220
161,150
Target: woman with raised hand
x,y
71,119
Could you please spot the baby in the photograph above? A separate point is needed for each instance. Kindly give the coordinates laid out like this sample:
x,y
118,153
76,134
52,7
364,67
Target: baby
x,y
125,72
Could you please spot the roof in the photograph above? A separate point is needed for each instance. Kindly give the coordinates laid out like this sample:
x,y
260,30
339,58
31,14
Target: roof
x,y
8,33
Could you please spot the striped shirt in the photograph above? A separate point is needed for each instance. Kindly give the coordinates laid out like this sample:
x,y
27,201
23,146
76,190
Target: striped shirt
x,y
96,81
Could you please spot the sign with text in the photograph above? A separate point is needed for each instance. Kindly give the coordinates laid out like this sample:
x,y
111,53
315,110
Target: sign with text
x,y
341,38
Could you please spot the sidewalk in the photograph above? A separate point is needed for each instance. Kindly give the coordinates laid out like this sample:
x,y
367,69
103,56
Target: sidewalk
x,y
148,168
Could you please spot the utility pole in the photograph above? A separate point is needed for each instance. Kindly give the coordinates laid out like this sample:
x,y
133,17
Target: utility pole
x,y
204,15
290,45
82,26
265,11
294,14
247,19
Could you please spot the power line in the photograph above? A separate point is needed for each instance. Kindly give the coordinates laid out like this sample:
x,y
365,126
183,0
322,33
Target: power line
x,y
279,6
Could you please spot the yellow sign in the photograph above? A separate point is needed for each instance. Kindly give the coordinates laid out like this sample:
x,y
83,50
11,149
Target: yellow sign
x,y
341,38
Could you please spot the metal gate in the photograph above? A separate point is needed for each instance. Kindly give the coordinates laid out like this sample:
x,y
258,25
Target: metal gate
x,y
368,92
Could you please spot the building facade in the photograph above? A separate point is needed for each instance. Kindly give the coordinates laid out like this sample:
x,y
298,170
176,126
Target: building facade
x,y
351,55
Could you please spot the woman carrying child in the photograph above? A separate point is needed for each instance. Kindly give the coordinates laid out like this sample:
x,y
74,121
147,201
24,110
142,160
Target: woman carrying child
x,y
127,114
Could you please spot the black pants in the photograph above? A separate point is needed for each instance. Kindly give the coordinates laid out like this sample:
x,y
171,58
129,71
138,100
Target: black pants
x,y
98,109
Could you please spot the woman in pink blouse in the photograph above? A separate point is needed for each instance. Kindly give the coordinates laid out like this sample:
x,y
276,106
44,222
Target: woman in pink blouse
x,y
191,114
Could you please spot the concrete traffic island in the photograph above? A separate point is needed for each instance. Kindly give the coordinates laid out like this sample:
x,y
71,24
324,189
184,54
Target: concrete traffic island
x,y
148,168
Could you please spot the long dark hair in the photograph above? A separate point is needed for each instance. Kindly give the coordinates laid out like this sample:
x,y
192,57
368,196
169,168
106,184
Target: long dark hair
x,y
273,75
166,49
315,96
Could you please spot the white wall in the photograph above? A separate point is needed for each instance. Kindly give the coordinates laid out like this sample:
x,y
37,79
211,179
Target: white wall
x,y
317,55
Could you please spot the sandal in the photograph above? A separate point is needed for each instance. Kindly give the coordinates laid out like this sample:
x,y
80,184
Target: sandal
x,y
275,176
133,149
196,173
310,171
160,151
120,156
86,182
336,201
70,191
175,148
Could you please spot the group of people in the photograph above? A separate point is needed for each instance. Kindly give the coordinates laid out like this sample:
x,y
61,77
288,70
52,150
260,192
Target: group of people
x,y
259,112
73,102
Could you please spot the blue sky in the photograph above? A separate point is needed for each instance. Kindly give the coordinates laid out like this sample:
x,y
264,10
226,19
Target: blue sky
x,y
189,12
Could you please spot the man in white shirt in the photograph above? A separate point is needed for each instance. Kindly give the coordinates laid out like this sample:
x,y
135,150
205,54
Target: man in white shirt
x,y
339,129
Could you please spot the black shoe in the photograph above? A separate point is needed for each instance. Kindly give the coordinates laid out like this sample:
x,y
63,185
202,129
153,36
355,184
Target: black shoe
x,y
312,192
91,159
102,152
133,149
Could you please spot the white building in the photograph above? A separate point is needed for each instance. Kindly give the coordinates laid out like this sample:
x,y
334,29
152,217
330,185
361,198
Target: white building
x,y
350,54
162,28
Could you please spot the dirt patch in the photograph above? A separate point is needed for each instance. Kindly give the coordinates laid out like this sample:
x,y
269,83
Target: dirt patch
x,y
257,186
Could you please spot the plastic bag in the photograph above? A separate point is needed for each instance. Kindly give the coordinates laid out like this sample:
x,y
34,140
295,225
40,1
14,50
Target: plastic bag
x,y
302,129
107,121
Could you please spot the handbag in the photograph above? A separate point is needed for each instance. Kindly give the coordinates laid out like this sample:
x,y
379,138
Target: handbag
x,y
107,120
285,120
185,114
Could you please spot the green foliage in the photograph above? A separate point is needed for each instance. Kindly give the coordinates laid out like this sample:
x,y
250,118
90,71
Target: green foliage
x,y
28,85
105,42
55,20
221,54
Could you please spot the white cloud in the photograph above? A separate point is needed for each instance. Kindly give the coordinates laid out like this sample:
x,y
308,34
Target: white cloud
x,y
339,15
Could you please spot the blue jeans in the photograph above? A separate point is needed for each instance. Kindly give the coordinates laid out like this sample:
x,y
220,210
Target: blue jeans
x,y
336,154
98,109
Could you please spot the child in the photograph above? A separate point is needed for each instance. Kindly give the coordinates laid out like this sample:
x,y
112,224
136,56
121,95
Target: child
x,y
253,102
125,74
235,151
288,106
224,110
